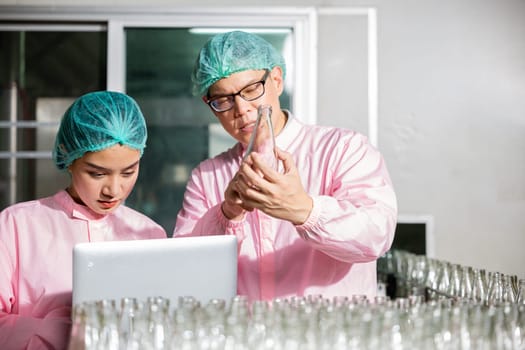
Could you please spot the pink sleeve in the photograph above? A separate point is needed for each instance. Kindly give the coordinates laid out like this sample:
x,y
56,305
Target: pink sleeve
x,y
198,216
25,332
355,221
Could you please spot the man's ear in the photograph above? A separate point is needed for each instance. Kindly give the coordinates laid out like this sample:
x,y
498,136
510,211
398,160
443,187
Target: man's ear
x,y
276,75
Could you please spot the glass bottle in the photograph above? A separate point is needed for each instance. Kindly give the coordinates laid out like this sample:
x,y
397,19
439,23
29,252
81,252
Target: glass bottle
x,y
108,332
444,279
465,289
237,323
183,322
455,280
514,282
127,316
508,289
520,298
78,336
479,287
488,276
495,294
262,140
432,279
419,273
159,325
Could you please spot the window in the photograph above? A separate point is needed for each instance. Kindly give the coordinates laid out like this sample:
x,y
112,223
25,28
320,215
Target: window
x,y
43,69
48,63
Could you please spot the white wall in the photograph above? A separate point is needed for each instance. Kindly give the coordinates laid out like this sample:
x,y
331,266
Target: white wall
x,y
451,78
452,123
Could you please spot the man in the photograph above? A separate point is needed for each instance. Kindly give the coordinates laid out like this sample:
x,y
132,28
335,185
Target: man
x,y
319,224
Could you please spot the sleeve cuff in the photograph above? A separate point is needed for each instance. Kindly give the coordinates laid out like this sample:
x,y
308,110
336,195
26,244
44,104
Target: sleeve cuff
x,y
227,223
313,218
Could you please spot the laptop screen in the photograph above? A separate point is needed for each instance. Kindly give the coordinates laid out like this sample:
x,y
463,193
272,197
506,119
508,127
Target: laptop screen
x,y
204,267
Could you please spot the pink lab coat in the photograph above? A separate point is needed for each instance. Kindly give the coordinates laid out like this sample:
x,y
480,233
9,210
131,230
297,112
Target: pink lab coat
x,y
334,252
36,244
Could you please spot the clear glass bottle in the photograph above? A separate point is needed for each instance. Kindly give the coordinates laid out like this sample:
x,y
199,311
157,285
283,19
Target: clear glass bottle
x,y
488,276
455,280
444,279
159,323
127,317
78,336
508,289
514,280
262,140
465,289
432,279
520,298
108,331
479,286
495,294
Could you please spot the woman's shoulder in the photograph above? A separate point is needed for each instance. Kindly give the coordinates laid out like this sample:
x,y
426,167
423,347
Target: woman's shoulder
x,y
28,207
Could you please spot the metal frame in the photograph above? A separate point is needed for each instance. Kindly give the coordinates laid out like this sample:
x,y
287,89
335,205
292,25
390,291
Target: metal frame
x,y
302,21
13,154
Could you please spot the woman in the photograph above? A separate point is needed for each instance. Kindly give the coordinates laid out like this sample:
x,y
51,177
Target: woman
x,y
100,142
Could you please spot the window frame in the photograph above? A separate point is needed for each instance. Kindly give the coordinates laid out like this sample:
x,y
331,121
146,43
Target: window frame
x,y
115,20
301,20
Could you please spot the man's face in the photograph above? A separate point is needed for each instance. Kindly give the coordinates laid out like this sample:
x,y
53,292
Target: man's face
x,y
239,121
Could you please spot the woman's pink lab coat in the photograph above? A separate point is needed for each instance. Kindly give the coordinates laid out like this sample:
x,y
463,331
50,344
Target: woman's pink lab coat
x,y
36,244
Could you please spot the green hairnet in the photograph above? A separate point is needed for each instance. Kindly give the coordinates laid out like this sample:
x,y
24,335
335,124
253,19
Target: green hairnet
x,y
232,52
96,121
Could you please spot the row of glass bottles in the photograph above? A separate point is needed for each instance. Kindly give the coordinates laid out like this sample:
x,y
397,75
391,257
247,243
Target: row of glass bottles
x,y
311,322
416,274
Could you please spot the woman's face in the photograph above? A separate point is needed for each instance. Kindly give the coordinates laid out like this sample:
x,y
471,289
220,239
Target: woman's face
x,y
239,121
103,180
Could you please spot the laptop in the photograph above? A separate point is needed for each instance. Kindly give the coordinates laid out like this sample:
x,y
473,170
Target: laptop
x,y
204,267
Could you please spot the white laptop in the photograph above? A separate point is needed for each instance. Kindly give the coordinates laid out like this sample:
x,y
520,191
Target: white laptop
x,y
203,267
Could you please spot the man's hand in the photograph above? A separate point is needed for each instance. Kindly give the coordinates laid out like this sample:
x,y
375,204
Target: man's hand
x,y
233,207
282,196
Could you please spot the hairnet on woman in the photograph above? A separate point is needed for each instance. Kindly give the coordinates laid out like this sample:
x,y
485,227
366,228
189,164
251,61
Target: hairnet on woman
x,y
100,141
96,121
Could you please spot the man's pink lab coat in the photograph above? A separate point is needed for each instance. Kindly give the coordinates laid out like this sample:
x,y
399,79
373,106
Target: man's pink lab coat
x,y
334,252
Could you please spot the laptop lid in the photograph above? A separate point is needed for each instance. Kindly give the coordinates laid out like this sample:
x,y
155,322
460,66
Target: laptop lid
x,y
204,267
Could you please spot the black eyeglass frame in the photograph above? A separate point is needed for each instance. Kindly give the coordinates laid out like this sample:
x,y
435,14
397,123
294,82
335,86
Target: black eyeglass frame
x,y
231,97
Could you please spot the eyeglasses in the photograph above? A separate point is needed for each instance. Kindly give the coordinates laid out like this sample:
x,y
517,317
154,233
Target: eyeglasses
x,y
249,93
